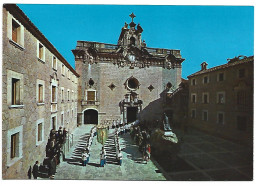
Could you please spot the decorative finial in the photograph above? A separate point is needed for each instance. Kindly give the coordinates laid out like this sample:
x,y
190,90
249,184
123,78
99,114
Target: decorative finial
x,y
132,16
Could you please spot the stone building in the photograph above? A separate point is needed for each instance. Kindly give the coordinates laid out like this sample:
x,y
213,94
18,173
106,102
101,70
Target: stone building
x,y
221,99
39,92
125,81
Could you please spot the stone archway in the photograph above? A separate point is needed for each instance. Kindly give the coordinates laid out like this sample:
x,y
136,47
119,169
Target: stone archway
x,y
90,116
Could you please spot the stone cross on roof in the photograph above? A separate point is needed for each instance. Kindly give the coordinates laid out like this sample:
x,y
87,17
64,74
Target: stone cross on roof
x,y
132,16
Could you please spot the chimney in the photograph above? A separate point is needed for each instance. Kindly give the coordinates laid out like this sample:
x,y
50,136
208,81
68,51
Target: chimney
x,y
204,66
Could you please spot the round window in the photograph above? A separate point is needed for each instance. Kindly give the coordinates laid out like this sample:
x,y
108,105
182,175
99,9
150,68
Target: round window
x,y
132,83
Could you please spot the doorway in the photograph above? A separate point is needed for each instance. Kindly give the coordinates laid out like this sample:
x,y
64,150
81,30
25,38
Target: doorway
x,y
131,114
91,116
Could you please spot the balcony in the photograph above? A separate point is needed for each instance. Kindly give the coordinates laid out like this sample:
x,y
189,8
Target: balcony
x,y
89,103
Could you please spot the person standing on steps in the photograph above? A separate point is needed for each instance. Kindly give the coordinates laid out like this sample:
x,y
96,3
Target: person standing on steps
x,y
84,158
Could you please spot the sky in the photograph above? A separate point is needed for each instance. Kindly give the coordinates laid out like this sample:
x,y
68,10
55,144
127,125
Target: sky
x,y
202,33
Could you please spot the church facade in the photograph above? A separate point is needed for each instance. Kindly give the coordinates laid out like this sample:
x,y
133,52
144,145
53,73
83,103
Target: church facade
x,y
125,81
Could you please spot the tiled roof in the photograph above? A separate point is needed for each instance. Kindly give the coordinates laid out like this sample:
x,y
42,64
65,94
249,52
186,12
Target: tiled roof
x,y
227,65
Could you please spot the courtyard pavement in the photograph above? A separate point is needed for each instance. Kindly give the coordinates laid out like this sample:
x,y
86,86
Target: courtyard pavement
x,y
132,168
211,158
202,157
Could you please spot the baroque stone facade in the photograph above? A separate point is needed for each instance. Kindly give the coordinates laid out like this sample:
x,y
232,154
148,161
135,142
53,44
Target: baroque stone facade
x,y
34,74
125,81
221,99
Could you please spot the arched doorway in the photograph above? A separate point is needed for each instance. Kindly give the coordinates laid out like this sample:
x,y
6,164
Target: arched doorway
x,y
90,116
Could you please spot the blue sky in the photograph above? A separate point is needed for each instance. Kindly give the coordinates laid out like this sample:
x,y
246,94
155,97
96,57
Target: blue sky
x,y
202,33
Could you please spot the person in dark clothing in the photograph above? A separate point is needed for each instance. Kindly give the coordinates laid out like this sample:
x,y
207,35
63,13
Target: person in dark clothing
x,y
60,135
64,133
35,170
29,174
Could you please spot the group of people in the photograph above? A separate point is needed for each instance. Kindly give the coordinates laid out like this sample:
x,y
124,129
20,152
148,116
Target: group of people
x,y
86,152
119,155
53,154
142,139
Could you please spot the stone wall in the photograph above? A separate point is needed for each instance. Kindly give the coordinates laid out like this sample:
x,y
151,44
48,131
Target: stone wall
x,y
104,74
230,108
24,61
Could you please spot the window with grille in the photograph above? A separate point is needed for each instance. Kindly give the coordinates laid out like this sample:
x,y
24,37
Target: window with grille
x,y
14,145
91,95
15,91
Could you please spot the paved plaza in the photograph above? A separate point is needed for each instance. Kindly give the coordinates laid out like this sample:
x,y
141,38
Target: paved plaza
x,y
202,157
211,158
133,168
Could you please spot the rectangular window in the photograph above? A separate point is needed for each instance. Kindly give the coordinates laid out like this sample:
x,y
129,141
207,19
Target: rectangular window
x,y
40,93
205,98
15,91
221,98
221,118
14,145
193,82
241,123
241,98
68,95
53,122
39,132
62,95
205,79
205,115
15,31
91,95
53,98
54,63
221,77
62,119
241,73
63,69
41,52
193,113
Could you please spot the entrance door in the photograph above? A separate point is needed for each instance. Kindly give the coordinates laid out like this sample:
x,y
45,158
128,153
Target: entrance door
x,y
90,117
131,114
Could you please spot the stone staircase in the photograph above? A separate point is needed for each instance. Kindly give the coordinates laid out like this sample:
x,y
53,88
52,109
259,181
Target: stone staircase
x,y
110,148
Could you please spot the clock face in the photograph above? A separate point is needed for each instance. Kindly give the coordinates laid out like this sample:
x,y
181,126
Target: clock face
x,y
131,58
